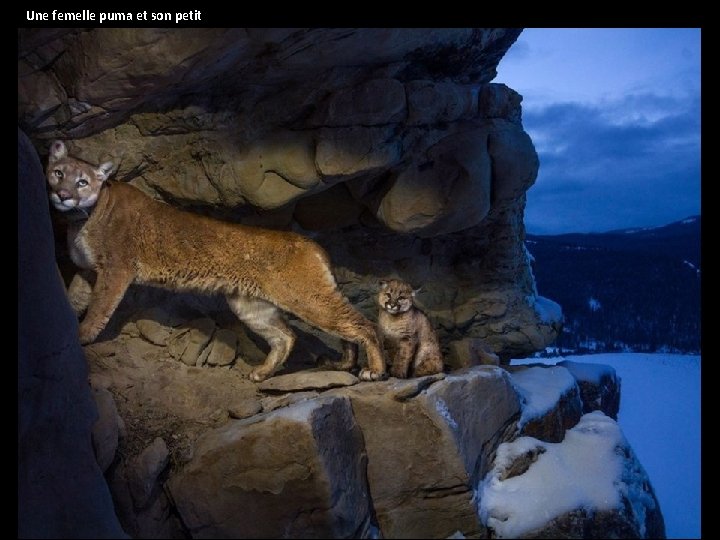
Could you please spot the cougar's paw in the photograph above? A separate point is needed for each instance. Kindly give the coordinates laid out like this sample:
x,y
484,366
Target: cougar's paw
x,y
259,374
367,374
87,334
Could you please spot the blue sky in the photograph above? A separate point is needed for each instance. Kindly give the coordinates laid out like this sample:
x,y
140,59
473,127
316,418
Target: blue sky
x,y
615,117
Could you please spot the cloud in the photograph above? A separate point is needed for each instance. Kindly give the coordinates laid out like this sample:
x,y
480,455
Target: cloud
x,y
630,162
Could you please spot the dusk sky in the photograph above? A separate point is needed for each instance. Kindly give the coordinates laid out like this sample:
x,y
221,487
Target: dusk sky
x,y
615,117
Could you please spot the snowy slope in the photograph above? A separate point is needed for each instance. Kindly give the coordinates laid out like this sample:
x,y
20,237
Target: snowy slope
x,y
660,417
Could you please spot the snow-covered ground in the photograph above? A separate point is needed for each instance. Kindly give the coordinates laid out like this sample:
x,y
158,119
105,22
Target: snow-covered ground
x,y
660,417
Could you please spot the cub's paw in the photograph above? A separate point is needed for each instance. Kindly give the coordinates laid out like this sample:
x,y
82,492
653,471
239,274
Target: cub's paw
x,y
367,374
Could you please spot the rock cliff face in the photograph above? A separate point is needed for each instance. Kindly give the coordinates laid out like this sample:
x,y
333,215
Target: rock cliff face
x,y
61,490
203,452
200,451
390,146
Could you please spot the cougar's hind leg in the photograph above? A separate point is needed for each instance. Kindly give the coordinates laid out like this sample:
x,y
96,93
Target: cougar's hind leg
x,y
428,364
267,321
347,361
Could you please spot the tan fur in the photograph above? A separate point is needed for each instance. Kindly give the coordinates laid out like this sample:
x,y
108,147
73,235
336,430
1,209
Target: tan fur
x,y
407,335
131,238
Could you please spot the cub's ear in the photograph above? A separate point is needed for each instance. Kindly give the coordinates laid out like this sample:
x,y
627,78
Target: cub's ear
x,y
102,172
383,284
416,291
58,150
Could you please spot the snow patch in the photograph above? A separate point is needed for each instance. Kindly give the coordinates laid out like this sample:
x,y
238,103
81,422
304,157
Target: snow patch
x,y
300,412
442,409
660,416
592,373
583,471
688,220
548,311
528,255
540,389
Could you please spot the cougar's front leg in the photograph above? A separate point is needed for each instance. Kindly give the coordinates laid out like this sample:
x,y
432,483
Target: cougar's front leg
x,y
110,287
80,290
404,352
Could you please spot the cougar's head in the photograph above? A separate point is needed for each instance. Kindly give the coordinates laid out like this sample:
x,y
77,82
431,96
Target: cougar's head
x,y
73,183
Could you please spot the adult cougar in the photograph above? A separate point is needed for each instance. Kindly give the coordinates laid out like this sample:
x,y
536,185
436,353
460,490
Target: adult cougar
x,y
131,238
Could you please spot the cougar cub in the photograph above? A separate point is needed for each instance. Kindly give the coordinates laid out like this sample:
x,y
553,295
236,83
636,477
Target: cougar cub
x,y
411,342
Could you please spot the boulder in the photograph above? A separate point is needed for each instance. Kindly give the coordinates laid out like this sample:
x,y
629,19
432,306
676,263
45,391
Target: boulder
x,y
551,401
191,339
222,348
445,190
298,472
515,162
344,153
61,489
245,409
499,101
374,102
307,380
469,352
145,470
270,403
153,331
430,102
599,386
427,440
106,431
590,485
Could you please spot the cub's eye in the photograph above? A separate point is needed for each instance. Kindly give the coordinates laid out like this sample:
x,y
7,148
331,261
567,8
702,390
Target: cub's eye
x,y
400,298
81,183
58,173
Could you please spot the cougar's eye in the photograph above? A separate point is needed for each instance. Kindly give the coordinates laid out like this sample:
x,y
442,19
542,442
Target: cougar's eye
x,y
81,183
58,173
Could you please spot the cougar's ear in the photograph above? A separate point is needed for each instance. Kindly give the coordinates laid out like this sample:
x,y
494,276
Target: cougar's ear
x,y
102,172
58,150
383,284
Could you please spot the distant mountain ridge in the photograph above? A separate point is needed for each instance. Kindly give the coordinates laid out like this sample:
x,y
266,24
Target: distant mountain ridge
x,y
630,289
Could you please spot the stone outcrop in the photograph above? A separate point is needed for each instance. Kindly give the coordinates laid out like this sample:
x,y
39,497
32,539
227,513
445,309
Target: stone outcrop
x,y
428,440
206,453
551,401
553,490
298,472
599,387
422,163
61,490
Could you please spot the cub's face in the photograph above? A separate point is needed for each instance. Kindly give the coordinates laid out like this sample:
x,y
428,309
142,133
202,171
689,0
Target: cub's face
x,y
395,296
73,183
